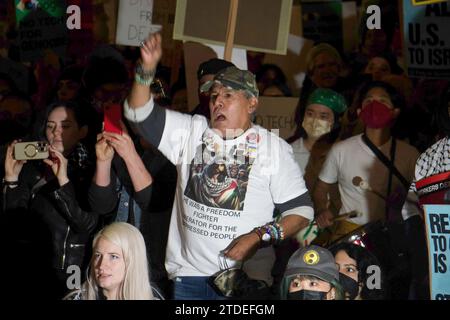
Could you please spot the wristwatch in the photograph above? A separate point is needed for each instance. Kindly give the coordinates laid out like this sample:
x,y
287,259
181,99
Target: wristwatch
x,y
266,237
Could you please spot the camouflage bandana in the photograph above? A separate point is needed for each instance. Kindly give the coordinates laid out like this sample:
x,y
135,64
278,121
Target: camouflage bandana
x,y
234,78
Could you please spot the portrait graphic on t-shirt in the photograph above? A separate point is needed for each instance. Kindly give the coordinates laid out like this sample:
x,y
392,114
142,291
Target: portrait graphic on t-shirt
x,y
219,177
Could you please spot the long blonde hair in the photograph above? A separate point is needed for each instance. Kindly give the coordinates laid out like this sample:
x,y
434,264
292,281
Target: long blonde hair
x,y
136,284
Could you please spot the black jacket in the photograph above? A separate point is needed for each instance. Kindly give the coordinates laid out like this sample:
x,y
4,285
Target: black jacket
x,y
59,218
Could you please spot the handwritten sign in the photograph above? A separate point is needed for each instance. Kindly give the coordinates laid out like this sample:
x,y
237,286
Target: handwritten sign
x,y
134,22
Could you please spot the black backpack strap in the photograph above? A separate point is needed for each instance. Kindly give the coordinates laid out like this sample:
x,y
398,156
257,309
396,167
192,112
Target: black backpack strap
x,y
388,163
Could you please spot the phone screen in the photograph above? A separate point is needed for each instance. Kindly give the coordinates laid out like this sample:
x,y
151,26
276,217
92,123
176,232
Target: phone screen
x,y
112,117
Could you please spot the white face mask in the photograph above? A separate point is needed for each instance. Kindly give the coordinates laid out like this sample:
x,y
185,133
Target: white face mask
x,y
315,128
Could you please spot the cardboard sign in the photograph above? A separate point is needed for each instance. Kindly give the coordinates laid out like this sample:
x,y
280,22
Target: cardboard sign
x,y
261,25
134,22
437,219
427,43
277,113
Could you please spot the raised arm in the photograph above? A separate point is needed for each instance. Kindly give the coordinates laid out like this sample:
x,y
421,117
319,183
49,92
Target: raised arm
x,y
151,53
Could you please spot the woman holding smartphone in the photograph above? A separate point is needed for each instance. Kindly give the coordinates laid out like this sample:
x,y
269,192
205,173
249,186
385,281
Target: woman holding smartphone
x,y
50,197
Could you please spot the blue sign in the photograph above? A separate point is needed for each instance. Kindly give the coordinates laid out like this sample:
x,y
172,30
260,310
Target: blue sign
x,y
438,236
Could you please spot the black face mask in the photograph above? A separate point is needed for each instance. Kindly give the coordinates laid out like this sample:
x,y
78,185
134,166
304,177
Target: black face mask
x,y
307,295
349,285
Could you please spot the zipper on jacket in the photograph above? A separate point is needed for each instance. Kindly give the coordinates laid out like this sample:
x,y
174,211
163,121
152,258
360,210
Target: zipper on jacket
x,y
64,250
76,245
67,232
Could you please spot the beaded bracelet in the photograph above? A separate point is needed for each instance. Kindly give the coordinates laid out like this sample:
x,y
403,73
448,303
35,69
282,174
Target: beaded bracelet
x,y
270,233
142,76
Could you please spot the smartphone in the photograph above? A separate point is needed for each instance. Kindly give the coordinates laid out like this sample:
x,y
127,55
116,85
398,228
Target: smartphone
x,y
111,118
31,150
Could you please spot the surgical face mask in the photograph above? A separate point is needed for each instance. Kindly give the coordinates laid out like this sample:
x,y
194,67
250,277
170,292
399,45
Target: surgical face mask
x,y
315,128
349,285
376,115
307,295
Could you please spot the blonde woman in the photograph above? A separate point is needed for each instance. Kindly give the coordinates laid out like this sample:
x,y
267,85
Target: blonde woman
x,y
119,268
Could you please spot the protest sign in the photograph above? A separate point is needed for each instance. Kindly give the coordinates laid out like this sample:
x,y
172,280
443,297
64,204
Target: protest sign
x,y
134,22
427,41
41,26
437,219
261,25
434,196
277,113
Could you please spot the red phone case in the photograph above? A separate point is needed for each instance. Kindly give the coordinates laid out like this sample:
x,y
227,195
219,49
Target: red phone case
x,y
112,117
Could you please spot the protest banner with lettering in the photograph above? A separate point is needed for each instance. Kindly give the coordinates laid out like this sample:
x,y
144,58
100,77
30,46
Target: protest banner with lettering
x,y
134,22
438,236
427,40
41,26
434,196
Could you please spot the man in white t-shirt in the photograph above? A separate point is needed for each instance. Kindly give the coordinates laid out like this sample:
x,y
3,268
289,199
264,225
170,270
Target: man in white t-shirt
x,y
220,218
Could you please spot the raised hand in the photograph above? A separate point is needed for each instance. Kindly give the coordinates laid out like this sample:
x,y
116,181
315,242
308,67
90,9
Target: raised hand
x,y
12,166
103,150
151,51
58,164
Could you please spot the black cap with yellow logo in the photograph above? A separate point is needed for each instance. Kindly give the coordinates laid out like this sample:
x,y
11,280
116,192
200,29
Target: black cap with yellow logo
x,y
313,261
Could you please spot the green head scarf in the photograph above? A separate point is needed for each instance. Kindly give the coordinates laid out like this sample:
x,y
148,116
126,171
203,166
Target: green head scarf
x,y
329,98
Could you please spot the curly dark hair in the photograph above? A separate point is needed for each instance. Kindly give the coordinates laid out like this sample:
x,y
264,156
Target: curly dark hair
x,y
364,259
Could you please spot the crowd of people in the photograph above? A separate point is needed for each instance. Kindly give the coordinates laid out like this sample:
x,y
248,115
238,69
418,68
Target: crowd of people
x,y
182,205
